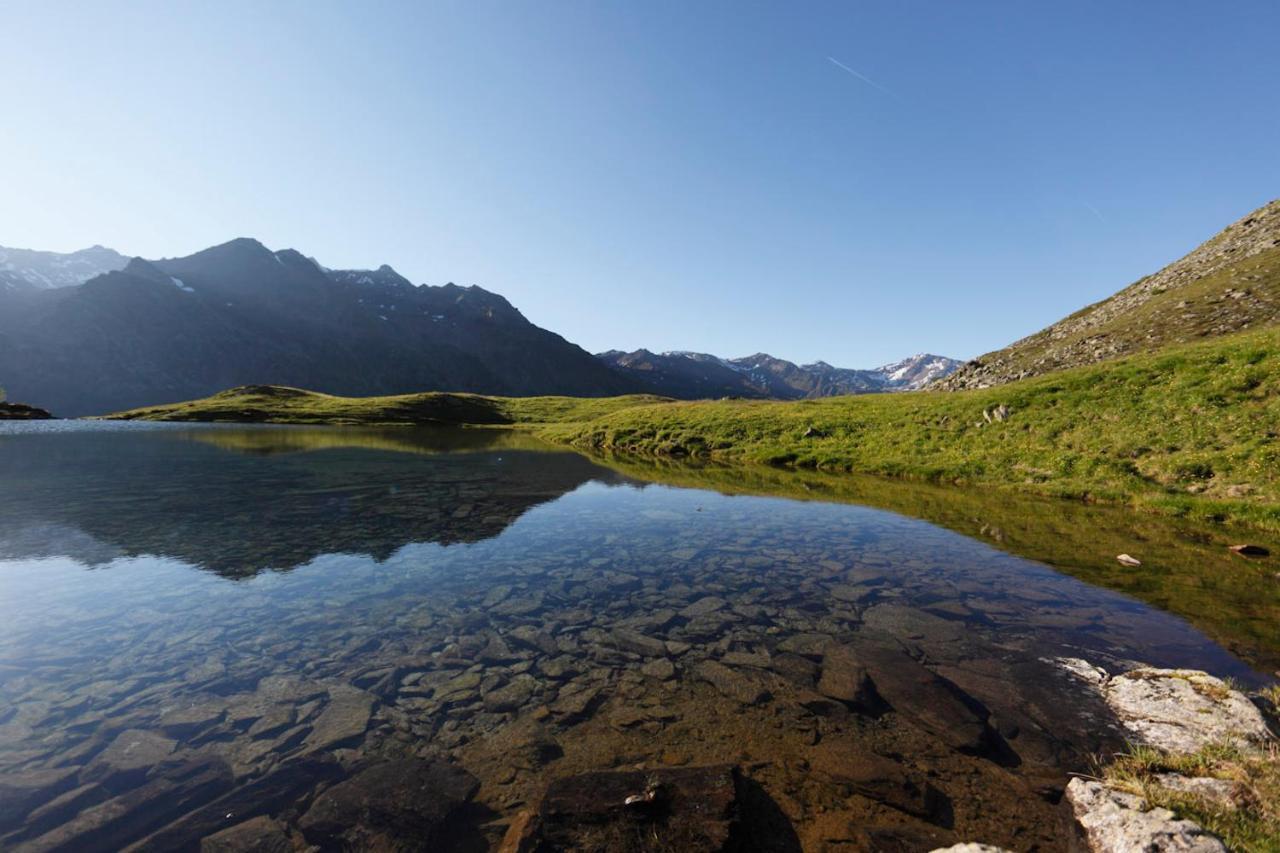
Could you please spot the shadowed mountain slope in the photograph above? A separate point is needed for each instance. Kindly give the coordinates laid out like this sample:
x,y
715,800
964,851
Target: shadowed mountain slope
x,y
239,313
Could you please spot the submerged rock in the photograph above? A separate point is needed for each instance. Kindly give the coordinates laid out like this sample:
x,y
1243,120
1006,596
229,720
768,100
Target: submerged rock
x,y
403,804
256,835
127,759
1116,822
844,677
637,643
926,698
22,791
115,823
733,684
879,779
687,808
345,718
511,697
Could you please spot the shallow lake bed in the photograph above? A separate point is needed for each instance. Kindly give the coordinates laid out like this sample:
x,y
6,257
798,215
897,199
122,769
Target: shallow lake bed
x,y
282,609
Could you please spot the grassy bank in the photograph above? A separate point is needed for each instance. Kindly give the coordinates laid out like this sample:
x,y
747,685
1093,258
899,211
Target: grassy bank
x,y
1189,431
280,405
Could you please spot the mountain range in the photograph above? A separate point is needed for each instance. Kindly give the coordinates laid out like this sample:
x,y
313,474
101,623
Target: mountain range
x,y
239,313
694,375
92,332
29,270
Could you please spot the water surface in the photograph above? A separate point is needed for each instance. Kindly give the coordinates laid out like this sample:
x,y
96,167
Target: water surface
x,y
296,603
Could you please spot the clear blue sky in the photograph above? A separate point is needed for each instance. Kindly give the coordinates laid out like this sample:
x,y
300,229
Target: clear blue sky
x,y
661,174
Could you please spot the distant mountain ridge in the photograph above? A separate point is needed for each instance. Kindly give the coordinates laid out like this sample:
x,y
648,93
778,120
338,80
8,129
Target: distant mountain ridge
x,y
693,375
159,331
1227,284
29,269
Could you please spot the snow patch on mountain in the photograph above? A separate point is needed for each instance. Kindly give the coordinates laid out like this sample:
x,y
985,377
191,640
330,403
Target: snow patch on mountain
x,y
29,269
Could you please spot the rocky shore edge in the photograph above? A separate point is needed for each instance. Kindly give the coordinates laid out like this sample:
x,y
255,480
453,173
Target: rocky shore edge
x,y
22,412
1172,714
1194,741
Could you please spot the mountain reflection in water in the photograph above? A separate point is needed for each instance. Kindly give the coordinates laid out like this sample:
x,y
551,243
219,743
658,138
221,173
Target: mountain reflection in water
x,y
238,501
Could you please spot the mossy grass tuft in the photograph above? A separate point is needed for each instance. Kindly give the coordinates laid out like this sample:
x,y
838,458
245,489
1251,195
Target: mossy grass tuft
x,y
1251,821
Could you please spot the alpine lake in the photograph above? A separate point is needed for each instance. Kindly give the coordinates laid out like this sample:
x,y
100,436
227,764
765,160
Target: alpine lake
x,y
291,638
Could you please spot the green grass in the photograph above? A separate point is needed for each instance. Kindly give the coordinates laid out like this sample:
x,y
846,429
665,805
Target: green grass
x,y
282,405
1189,431
1253,824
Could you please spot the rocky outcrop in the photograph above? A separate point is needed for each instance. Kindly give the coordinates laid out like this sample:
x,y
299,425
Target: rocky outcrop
x,y
1116,822
1177,711
22,412
1181,710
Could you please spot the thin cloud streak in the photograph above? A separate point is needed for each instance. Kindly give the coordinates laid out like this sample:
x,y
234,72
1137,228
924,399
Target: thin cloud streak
x,y
1097,213
864,78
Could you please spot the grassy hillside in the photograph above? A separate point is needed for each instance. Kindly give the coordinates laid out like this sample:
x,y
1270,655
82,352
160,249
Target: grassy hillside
x,y
280,405
1190,430
1228,284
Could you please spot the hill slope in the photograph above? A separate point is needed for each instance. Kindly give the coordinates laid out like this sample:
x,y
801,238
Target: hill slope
x,y
700,376
1230,283
238,313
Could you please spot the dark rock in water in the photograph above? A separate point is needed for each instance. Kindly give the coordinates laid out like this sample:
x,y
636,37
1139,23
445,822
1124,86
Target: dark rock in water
x,y
687,808
256,835
902,839
927,699
277,790
703,606
845,678
118,822
405,804
636,643
576,702
794,668
345,718
513,696
126,760
745,689
22,412
879,779
62,808
25,790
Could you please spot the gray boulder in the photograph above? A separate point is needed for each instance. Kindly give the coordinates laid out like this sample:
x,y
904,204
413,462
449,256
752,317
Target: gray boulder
x,y
1116,822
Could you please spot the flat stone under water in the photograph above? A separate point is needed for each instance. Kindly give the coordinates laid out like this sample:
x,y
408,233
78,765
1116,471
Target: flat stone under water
x,y
404,639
